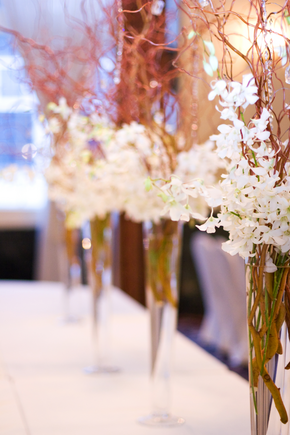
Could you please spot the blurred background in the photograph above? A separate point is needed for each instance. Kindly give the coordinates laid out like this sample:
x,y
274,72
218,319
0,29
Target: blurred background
x,y
31,226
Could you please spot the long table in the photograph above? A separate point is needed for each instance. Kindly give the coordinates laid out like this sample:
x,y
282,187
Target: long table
x,y
44,391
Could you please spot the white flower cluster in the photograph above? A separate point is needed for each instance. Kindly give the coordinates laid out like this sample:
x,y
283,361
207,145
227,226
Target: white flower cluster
x,y
98,168
78,157
183,195
254,196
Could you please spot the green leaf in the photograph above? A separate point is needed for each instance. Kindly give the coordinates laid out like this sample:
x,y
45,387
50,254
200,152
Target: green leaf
x,y
207,68
213,62
210,46
148,184
163,196
51,106
191,34
86,155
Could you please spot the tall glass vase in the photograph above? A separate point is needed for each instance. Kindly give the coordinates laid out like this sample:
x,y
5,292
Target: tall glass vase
x,y
71,272
100,272
269,348
162,254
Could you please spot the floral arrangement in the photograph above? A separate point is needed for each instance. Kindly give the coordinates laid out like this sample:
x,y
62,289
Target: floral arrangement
x,y
69,174
126,75
253,195
100,168
181,195
107,157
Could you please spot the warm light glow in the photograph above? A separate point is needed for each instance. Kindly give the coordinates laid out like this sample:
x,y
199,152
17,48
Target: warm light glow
x,y
273,37
86,243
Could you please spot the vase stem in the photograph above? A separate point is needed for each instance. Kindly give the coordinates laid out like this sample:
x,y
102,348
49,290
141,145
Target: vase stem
x,y
100,266
163,327
162,253
71,272
101,323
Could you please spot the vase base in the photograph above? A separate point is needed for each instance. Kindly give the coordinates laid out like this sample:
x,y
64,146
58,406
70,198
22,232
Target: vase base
x,y
92,370
162,420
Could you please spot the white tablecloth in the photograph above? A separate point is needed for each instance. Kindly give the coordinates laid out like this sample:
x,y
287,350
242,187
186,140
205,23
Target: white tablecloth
x,y
43,390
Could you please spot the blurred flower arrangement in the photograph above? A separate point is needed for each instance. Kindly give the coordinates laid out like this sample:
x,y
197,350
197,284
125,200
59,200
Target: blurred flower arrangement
x,y
107,150
120,114
101,168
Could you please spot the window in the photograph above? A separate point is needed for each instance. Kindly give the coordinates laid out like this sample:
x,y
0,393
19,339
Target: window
x,y
15,132
6,43
20,131
10,84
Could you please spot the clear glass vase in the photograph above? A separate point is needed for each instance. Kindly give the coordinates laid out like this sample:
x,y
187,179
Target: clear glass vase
x,y
269,350
100,273
162,255
71,272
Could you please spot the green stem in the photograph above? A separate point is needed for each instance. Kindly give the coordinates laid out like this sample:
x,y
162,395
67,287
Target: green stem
x,y
277,283
251,342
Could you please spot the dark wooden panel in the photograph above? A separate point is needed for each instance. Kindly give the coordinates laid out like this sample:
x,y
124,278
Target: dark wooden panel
x,y
132,259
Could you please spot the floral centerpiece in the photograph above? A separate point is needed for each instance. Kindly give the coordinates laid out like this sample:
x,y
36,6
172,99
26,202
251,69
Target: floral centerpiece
x,y
102,168
254,194
100,162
